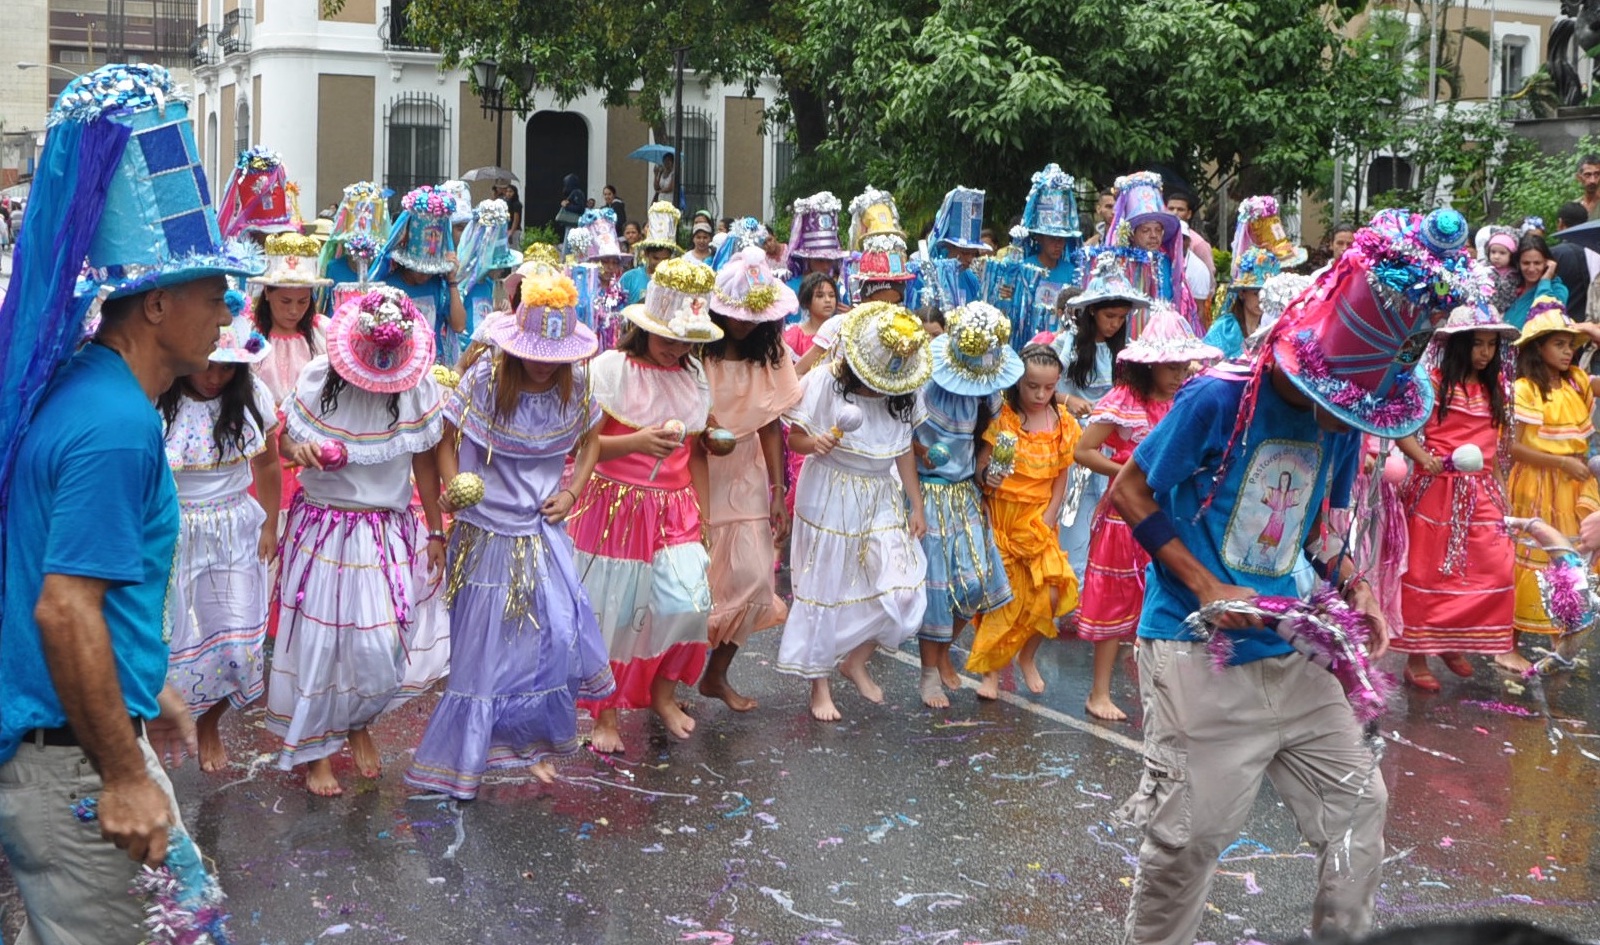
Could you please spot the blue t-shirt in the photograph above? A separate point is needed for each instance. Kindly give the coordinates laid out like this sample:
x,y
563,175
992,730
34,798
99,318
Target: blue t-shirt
x,y
634,282
92,497
1254,531
1063,274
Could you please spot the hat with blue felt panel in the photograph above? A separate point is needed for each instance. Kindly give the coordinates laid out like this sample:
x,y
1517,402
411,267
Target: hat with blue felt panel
x,y
156,225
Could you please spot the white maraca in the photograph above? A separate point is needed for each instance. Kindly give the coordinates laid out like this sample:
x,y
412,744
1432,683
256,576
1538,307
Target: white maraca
x,y
1467,458
849,420
675,428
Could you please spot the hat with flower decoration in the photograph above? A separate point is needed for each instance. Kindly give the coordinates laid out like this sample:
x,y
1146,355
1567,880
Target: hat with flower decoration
x,y
1354,340
1547,317
660,228
291,262
886,347
379,342
360,228
748,290
545,327
1481,317
675,302
815,231
1259,226
1108,283
422,237
595,236
256,196
462,192
483,246
1167,339
1276,295
875,222
973,356
241,342
1139,201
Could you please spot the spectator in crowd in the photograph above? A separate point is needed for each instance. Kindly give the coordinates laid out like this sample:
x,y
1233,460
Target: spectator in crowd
x,y
1589,178
1102,216
572,205
1575,266
1180,203
663,179
610,201
513,201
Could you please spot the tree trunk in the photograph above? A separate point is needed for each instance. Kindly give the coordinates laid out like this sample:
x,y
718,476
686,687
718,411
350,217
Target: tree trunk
x,y
810,112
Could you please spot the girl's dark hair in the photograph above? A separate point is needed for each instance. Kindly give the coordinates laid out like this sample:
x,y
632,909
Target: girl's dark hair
x,y
1088,334
1530,364
763,344
808,288
635,341
902,407
333,384
931,314
1043,356
1137,377
1455,368
1535,243
306,326
236,400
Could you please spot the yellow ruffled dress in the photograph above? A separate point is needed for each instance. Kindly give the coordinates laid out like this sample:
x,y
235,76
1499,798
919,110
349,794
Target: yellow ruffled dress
x,y
1029,547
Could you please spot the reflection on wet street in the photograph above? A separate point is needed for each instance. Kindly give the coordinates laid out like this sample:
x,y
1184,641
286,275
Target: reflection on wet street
x,y
987,823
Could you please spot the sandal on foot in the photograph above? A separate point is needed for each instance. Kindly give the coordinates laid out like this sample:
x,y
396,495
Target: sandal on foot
x,y
1456,663
1423,680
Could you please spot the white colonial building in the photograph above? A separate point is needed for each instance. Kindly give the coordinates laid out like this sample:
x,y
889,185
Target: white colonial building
x,y
351,97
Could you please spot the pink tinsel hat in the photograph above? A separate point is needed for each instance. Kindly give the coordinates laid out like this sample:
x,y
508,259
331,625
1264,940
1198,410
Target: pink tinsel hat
x,y
380,342
1167,339
748,291
1353,341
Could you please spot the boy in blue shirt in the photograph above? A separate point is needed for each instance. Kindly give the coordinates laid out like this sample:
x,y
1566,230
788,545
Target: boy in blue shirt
x,y
1227,493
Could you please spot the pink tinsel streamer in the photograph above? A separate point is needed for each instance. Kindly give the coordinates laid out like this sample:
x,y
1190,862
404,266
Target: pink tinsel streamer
x,y
1325,630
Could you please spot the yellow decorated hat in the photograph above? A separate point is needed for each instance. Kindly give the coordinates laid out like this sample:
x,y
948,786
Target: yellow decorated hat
x,y
887,347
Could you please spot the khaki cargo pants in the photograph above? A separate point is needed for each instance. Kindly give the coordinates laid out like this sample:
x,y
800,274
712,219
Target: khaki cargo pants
x,y
1209,738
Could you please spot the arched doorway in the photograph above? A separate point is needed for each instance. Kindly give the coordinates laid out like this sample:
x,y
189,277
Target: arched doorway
x,y
557,145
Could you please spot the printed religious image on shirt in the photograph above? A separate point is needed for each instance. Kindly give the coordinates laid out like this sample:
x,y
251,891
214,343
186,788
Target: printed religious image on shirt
x,y
1268,518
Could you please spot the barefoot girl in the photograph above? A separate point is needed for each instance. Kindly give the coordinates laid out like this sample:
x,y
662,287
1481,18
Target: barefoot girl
x,y
752,383
1025,492
972,364
362,626
858,564
524,642
637,526
1456,593
1150,369
221,436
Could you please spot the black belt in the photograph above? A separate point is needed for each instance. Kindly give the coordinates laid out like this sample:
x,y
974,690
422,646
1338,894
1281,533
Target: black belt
x,y
65,737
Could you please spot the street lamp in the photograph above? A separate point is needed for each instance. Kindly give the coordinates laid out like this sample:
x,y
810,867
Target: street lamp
x,y
493,81
49,65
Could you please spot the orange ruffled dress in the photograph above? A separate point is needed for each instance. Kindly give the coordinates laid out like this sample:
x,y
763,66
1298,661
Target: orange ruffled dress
x,y
1558,424
1029,548
745,396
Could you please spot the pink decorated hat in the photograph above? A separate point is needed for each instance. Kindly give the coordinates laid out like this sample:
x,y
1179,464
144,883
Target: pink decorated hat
x,y
1353,342
815,232
545,327
256,196
1167,339
747,290
380,342
241,342
1480,317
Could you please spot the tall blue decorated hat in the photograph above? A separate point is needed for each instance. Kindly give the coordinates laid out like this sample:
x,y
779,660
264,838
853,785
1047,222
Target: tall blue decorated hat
x,y
959,223
483,244
422,237
119,205
1052,207
156,225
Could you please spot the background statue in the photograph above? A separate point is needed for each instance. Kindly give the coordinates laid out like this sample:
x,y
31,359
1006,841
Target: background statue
x,y
1573,35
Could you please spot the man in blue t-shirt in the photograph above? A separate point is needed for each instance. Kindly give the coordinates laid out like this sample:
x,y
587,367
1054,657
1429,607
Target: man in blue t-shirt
x,y
1210,736
90,532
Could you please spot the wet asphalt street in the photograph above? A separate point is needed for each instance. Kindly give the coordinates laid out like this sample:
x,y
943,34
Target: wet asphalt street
x,y
986,823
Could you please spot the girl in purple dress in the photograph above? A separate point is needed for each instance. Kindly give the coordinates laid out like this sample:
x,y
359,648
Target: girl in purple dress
x,y
526,645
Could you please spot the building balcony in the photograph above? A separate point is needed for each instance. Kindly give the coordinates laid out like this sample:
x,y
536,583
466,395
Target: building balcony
x,y
203,48
395,28
234,35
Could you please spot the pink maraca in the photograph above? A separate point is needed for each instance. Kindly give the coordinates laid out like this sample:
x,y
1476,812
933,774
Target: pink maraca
x,y
332,455
1394,469
673,427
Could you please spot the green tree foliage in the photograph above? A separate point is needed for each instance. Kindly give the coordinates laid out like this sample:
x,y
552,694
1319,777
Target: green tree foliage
x,y
937,93
1534,184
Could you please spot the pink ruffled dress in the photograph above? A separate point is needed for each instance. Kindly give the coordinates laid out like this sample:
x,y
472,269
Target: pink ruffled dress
x,y
638,537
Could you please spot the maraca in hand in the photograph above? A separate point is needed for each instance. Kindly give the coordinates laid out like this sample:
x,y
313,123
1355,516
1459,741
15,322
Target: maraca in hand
x,y
673,428
332,455
849,420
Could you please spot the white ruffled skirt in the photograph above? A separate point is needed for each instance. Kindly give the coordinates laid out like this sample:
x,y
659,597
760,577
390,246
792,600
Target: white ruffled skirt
x,y
219,604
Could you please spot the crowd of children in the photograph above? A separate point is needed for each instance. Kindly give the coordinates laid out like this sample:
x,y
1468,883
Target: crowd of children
x,y
599,506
